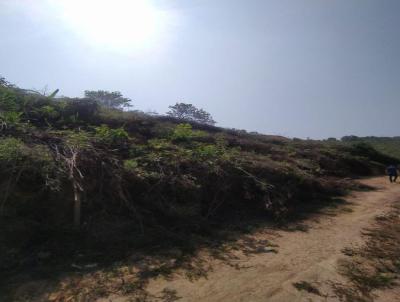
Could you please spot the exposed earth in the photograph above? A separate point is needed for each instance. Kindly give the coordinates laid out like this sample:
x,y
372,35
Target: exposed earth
x,y
307,254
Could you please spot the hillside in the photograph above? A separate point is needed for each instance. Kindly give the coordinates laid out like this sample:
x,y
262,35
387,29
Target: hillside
x,y
80,179
386,145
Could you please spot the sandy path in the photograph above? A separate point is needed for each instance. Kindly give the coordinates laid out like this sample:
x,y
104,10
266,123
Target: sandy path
x,y
302,256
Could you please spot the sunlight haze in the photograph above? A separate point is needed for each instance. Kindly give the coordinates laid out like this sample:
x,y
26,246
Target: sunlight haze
x,y
307,68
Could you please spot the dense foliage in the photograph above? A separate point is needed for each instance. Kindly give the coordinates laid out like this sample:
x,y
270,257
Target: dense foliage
x,y
386,145
115,178
108,99
190,113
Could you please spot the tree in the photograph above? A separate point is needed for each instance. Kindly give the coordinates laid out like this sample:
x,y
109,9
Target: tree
x,y
189,112
3,82
332,139
108,99
75,145
350,138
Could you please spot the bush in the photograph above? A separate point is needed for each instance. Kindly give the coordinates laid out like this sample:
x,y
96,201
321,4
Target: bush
x,y
77,140
10,119
11,150
184,132
208,151
49,112
368,151
130,165
84,110
8,100
111,136
25,172
15,152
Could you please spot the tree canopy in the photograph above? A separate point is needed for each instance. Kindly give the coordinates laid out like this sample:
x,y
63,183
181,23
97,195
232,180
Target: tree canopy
x,y
189,112
113,99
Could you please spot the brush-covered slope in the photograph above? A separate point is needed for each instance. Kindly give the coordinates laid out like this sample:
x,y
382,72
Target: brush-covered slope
x,y
71,169
386,145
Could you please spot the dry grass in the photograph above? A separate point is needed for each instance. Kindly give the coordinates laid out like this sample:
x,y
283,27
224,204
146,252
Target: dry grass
x,y
308,287
375,265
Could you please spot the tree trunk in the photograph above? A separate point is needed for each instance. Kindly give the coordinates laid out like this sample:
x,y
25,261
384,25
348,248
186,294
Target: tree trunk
x,y
77,205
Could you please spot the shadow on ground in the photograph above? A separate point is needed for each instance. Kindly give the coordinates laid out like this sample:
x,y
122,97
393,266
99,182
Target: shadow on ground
x,y
87,275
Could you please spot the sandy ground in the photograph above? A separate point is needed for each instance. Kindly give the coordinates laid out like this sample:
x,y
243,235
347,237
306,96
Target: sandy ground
x,y
310,256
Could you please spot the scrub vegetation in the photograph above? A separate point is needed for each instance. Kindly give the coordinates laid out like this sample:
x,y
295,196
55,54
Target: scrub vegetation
x,y
82,180
386,145
375,265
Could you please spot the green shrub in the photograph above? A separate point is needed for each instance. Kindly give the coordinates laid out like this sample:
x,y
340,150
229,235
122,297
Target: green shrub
x,y
11,149
184,132
49,112
217,151
82,109
10,118
111,136
130,165
8,100
368,151
208,151
137,150
77,140
159,143
14,150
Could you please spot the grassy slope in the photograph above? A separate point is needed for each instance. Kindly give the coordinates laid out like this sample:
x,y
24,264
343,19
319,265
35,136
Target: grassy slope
x,y
148,181
386,145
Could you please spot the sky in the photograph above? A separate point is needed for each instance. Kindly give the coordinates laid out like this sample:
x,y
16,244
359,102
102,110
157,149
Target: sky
x,y
298,68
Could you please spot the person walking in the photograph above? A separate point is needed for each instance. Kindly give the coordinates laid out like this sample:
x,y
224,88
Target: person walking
x,y
392,172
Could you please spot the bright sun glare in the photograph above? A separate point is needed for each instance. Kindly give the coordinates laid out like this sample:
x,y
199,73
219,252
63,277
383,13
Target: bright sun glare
x,y
125,25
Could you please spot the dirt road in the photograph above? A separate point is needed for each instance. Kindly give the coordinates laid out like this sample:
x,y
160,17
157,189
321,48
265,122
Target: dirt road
x,y
309,255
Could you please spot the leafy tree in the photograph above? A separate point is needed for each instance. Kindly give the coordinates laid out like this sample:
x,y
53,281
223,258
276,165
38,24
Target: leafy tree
x,y
332,139
350,138
5,83
189,112
108,99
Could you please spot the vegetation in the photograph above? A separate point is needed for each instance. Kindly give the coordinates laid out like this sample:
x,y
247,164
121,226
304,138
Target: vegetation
x,y
386,145
190,113
375,265
80,177
308,287
108,99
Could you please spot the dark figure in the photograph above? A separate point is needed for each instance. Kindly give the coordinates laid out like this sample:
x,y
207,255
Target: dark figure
x,y
392,172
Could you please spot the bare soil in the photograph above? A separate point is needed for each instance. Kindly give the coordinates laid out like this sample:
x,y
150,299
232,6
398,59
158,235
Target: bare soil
x,y
299,264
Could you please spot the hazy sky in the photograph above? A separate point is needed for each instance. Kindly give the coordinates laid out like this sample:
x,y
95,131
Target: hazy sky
x,y
302,68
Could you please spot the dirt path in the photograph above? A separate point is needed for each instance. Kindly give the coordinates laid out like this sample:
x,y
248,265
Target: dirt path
x,y
309,256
